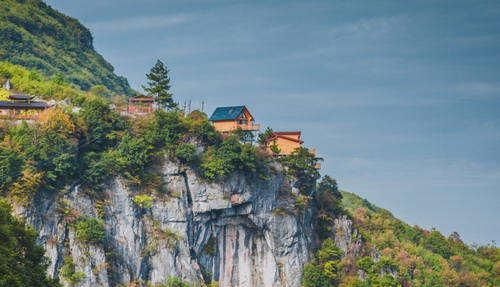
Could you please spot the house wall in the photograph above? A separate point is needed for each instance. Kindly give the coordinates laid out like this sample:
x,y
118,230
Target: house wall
x,y
286,146
225,126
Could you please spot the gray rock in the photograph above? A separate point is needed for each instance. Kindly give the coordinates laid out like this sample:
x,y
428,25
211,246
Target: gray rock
x,y
200,232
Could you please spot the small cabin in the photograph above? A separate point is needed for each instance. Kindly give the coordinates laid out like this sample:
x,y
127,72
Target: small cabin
x,y
228,119
20,106
141,105
285,142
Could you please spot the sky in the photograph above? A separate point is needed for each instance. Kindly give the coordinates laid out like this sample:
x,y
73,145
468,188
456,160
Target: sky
x,y
402,100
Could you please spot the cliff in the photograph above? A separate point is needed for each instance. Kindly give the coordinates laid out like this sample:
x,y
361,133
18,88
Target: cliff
x,y
235,232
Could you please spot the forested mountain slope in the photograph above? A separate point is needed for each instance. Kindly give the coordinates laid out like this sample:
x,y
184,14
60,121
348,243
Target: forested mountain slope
x,y
34,35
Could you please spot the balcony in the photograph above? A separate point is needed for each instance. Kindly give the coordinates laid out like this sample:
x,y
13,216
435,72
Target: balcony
x,y
248,126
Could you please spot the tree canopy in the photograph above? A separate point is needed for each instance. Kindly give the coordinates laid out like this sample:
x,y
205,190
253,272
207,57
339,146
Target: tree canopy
x,y
158,85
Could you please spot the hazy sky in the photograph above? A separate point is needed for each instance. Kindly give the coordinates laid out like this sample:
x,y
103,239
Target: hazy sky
x,y
401,99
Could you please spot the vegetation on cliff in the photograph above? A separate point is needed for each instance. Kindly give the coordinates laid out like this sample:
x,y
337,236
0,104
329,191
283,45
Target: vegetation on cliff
x,y
34,35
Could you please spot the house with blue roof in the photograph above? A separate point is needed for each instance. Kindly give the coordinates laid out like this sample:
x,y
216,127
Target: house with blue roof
x,y
228,119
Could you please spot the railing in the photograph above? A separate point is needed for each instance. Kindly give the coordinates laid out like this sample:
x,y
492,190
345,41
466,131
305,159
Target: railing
x,y
249,127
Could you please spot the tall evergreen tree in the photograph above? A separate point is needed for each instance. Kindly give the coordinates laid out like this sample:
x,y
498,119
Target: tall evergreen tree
x,y
159,85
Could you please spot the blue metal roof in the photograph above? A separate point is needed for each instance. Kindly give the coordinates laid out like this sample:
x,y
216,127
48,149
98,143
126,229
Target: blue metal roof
x,y
227,113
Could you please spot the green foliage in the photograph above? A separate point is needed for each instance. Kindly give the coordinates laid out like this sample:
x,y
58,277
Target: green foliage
x,y
218,162
328,199
89,230
418,257
143,200
21,262
301,165
159,85
199,128
264,136
173,281
186,153
101,125
10,167
33,82
326,268
313,276
437,243
68,272
34,35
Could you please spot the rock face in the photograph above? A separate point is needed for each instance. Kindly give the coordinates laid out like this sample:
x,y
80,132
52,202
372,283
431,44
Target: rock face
x,y
238,232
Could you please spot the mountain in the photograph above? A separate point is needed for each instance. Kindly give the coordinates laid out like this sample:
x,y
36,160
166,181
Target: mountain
x,y
34,35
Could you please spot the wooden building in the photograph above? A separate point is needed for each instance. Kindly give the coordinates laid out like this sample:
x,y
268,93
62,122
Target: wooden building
x,y
229,119
141,105
20,106
285,142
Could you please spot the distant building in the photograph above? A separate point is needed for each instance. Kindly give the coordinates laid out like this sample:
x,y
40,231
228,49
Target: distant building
x,y
141,105
21,106
284,142
229,119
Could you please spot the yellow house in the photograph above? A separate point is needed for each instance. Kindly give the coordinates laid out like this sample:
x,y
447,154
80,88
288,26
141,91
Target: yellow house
x,y
285,142
228,119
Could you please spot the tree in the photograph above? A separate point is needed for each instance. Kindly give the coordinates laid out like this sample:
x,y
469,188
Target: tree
x,y
159,85
22,262
263,137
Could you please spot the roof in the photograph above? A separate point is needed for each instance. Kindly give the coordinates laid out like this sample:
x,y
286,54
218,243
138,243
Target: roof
x,y
291,133
20,97
142,99
286,135
227,113
23,105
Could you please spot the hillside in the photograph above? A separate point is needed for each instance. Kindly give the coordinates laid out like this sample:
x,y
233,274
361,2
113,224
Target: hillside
x,y
411,256
36,36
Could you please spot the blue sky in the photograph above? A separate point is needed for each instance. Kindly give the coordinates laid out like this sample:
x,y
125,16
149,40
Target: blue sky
x,y
401,99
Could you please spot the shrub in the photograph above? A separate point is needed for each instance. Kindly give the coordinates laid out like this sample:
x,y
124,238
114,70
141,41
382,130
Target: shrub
x,y
69,273
301,166
313,276
173,281
10,167
90,230
186,153
143,200
230,156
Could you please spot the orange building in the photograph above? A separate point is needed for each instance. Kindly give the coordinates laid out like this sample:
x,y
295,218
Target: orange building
x,y
228,119
286,142
141,105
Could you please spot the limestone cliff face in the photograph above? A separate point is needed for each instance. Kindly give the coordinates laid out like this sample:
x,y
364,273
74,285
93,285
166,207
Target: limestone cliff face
x,y
239,232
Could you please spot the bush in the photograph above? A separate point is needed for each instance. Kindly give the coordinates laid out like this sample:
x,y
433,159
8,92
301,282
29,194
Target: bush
x,y
143,200
173,281
301,166
217,163
69,273
90,230
186,153
313,276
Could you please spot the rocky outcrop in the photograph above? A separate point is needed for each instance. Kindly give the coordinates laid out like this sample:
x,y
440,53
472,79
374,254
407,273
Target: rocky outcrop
x,y
229,232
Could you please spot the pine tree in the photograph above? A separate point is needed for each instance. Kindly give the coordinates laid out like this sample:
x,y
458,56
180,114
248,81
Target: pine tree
x,y
159,85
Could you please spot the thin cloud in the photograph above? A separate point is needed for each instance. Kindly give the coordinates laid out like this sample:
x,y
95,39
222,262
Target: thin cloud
x,y
140,23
